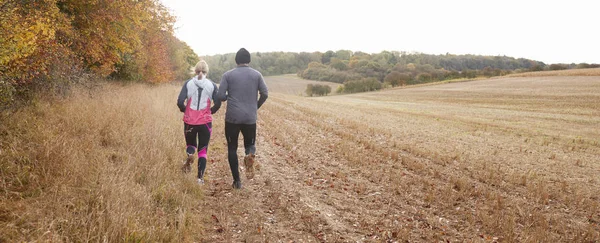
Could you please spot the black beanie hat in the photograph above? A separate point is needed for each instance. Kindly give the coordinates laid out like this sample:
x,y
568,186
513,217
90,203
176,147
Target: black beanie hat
x,y
242,56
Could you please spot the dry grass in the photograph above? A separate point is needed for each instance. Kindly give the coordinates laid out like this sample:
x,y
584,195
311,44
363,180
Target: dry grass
x,y
100,166
569,72
497,160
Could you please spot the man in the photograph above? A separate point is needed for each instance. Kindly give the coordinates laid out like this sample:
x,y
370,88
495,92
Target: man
x,y
240,87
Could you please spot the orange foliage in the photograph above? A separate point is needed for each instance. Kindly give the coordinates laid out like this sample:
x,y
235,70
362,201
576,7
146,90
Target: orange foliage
x,y
105,30
49,40
28,40
158,63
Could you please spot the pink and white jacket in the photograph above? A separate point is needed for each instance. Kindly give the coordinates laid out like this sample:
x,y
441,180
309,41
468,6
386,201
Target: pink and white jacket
x,y
199,93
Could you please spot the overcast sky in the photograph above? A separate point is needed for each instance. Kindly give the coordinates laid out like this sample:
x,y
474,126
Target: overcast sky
x,y
548,31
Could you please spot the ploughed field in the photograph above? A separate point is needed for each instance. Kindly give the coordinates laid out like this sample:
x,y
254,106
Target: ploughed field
x,y
509,159
497,160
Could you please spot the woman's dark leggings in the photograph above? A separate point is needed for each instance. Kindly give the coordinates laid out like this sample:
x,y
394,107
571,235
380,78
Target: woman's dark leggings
x,y
198,136
232,133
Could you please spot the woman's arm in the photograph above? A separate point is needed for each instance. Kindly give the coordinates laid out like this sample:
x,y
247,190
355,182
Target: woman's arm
x,y
181,98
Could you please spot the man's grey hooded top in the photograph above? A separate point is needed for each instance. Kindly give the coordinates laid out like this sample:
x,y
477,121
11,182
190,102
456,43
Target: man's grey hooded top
x,y
240,87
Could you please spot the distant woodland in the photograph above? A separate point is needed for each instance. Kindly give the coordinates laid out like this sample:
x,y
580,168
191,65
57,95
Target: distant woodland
x,y
46,46
360,71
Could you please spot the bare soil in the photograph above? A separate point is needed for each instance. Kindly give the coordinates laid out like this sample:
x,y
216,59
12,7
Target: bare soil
x,y
499,160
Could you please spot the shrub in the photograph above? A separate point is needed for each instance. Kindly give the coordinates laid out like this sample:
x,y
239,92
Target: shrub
x,y
396,78
558,67
362,85
317,89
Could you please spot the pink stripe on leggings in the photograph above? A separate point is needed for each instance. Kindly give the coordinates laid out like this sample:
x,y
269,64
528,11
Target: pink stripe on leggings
x,y
202,153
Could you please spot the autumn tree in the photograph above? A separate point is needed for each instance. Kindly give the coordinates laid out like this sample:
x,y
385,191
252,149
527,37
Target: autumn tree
x,y
424,77
31,48
103,31
343,54
396,78
327,57
182,58
338,64
52,44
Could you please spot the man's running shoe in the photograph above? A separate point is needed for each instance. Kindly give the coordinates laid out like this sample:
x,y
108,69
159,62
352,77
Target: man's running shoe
x,y
249,164
237,185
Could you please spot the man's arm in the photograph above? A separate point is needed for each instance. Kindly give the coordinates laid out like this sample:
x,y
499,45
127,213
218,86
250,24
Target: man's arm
x,y
181,98
221,94
216,101
263,91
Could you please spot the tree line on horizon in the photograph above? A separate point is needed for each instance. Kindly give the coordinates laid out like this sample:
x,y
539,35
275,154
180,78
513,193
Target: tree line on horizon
x,y
268,63
359,71
48,45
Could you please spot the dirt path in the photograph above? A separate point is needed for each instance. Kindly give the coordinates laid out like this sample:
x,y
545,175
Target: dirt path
x,y
283,202
304,192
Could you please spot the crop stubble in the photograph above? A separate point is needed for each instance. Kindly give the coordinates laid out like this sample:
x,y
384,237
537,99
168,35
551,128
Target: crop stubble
x,y
512,159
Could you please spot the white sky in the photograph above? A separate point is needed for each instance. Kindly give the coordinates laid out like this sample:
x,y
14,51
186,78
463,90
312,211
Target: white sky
x,y
548,31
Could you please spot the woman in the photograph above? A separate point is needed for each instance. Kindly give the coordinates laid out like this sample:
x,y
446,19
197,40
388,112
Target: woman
x,y
199,92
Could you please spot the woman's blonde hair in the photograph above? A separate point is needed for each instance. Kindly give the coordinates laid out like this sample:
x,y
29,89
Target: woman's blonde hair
x,y
201,67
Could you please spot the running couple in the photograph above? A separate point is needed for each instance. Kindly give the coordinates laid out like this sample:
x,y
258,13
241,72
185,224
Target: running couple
x,y
239,87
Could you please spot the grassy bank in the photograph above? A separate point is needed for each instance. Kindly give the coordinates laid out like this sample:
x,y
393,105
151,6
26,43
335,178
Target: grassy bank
x,y
102,165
